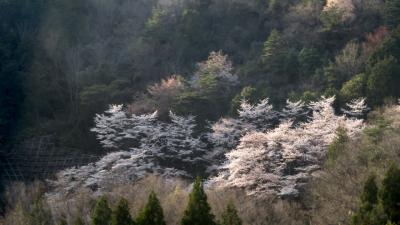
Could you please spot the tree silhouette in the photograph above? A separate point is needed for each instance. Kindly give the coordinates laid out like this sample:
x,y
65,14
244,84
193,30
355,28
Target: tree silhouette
x,y
152,213
230,216
121,215
390,194
198,211
102,212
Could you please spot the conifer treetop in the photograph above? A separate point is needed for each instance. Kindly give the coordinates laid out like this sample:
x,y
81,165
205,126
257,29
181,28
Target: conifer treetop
x,y
152,213
198,211
121,215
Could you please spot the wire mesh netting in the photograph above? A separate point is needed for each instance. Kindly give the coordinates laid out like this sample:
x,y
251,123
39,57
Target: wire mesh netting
x,y
40,158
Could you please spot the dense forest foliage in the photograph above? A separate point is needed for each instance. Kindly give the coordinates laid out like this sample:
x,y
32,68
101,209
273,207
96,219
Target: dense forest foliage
x,y
64,61
291,104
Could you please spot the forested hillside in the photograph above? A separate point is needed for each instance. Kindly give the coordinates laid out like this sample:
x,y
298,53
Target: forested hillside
x,y
76,57
286,108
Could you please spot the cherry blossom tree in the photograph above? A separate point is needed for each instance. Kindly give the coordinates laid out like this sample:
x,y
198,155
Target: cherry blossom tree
x,y
227,132
114,128
294,110
109,125
145,145
356,108
219,66
260,115
262,150
182,149
282,159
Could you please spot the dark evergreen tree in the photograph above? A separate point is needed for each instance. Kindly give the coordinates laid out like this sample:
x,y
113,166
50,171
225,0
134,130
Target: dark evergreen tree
x,y
274,46
230,216
280,62
121,215
354,88
198,211
152,213
63,220
18,34
383,80
78,221
18,30
390,194
338,144
392,13
102,212
368,212
383,71
309,60
369,197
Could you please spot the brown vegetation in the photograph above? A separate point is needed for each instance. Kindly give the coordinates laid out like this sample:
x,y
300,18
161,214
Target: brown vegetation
x,y
335,194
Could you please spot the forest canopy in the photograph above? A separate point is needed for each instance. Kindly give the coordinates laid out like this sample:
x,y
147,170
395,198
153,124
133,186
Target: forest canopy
x,y
152,55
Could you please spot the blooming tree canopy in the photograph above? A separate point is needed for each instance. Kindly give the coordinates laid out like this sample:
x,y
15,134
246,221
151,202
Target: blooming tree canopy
x,y
145,145
263,150
219,66
282,159
356,108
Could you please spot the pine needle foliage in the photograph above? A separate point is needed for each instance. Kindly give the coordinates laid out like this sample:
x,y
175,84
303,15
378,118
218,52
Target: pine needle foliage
x,y
230,216
102,212
198,211
152,213
78,221
390,194
121,215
